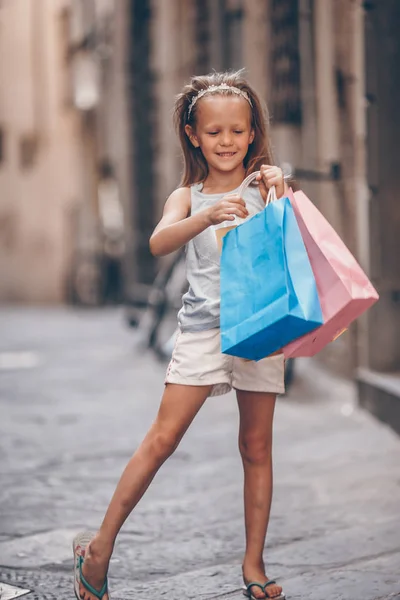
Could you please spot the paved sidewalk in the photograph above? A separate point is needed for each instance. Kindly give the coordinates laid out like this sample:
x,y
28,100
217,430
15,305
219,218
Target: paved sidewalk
x,y
76,397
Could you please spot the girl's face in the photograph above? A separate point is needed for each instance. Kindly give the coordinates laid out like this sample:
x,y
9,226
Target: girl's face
x,y
223,131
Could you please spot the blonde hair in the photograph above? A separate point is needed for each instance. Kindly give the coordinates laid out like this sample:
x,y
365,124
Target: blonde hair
x,y
195,168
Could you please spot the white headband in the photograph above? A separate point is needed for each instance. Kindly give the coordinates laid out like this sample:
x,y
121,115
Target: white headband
x,y
217,88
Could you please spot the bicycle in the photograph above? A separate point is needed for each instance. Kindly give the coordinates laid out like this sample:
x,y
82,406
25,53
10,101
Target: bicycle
x,y
155,318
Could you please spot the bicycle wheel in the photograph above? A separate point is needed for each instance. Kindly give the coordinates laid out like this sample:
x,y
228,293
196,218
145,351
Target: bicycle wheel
x,y
158,321
289,372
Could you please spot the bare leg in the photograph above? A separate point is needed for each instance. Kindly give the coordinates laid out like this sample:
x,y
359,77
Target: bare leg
x,y
179,406
255,443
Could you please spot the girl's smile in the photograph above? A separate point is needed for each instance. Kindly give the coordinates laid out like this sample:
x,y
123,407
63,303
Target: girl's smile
x,y
226,154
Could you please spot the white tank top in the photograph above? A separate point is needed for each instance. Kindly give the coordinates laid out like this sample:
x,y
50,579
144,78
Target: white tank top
x,y
201,304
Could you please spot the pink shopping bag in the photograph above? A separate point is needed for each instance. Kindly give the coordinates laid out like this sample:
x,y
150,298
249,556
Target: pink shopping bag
x,y
344,290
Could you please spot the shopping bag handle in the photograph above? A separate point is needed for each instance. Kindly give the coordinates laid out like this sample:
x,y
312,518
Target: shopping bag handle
x,y
249,179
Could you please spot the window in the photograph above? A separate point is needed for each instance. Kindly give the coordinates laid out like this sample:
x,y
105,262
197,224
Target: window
x,y
202,33
28,150
1,144
232,37
285,62
65,37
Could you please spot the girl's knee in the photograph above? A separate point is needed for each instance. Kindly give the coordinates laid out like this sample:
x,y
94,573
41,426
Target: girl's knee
x,y
255,448
163,442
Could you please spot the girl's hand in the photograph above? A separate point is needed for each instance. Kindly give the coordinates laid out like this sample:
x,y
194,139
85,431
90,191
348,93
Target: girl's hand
x,y
226,209
269,176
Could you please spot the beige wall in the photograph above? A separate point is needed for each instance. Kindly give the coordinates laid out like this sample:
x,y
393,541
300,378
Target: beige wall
x,y
37,200
255,45
168,62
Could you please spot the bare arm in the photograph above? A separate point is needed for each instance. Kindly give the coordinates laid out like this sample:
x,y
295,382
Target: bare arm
x,y
176,228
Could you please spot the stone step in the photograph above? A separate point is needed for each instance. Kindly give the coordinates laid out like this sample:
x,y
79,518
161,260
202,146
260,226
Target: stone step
x,y
379,393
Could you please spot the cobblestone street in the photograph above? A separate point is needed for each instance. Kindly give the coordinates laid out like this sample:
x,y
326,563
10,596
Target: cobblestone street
x,y
76,397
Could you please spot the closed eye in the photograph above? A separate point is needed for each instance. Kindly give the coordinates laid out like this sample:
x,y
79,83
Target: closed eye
x,y
212,132
238,131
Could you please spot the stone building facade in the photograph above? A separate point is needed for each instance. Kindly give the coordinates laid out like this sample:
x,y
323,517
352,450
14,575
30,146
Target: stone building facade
x,y
39,152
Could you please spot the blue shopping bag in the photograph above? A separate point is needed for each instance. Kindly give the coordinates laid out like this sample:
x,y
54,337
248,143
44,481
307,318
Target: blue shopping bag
x,y
268,291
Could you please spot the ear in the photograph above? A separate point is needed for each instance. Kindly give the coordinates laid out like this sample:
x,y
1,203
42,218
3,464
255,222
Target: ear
x,y
192,136
252,136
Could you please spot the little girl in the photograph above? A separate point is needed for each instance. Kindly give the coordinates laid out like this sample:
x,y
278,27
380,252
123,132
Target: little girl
x,y
223,134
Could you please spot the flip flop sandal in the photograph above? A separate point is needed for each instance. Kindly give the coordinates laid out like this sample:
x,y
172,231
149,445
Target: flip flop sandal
x,y
79,545
248,594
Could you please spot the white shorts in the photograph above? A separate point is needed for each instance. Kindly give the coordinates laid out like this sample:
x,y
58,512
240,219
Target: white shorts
x,y
197,360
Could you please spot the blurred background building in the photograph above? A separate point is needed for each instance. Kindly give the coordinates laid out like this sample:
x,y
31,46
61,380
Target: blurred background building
x,y
88,153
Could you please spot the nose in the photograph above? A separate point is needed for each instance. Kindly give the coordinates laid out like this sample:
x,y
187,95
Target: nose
x,y
226,139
